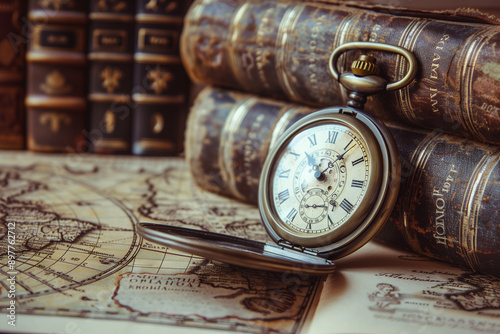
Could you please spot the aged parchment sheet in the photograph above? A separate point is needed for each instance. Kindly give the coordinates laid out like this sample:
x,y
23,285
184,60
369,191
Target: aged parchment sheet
x,y
71,262
382,290
76,254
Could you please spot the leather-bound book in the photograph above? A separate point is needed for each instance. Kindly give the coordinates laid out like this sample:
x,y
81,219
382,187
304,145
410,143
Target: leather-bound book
x,y
12,68
228,135
160,89
449,200
110,61
56,98
282,49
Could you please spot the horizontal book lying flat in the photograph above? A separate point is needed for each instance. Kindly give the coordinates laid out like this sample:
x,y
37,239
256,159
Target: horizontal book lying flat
x,y
447,205
281,49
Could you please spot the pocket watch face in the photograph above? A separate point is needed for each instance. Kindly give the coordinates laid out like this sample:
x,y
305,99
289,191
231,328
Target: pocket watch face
x,y
322,180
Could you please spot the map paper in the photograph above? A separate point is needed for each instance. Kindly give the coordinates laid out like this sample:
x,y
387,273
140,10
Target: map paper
x,y
77,253
72,262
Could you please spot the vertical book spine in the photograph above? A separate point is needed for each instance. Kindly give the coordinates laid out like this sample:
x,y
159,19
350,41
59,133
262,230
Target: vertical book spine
x,y
110,59
448,203
56,91
12,69
160,83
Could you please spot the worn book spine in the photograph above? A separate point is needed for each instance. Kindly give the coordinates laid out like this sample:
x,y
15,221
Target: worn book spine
x,y
449,200
228,135
12,73
282,48
160,91
110,62
56,98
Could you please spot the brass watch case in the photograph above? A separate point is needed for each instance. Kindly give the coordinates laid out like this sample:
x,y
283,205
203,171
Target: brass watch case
x,y
377,204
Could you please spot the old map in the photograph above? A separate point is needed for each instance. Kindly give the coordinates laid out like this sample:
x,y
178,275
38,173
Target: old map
x,y
71,262
77,254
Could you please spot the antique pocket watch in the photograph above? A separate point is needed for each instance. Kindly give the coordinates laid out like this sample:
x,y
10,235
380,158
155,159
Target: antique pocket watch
x,y
326,188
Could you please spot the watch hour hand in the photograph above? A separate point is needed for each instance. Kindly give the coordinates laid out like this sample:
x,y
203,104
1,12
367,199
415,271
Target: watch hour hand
x,y
311,161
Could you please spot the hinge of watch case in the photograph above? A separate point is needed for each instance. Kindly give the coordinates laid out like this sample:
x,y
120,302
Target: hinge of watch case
x,y
347,112
289,245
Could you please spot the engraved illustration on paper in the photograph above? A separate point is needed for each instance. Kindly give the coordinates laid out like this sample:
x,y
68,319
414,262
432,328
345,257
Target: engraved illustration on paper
x,y
435,298
485,296
385,297
78,254
229,290
57,250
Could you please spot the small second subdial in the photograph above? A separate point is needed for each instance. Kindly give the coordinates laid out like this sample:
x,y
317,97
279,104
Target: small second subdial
x,y
314,207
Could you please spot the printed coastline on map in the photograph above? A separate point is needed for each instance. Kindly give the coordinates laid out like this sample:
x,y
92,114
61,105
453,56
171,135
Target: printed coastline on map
x,y
79,265
77,253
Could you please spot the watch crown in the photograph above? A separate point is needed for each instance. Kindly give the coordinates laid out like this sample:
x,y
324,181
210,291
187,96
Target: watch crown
x,y
365,65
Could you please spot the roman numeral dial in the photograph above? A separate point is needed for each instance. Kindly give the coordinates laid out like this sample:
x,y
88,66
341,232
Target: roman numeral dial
x,y
322,180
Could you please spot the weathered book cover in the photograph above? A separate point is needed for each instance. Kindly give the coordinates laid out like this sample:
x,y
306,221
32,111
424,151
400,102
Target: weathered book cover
x,y
160,91
56,91
448,204
281,49
110,54
451,10
12,68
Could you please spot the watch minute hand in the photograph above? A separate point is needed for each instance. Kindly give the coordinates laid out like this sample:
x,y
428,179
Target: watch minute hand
x,y
341,156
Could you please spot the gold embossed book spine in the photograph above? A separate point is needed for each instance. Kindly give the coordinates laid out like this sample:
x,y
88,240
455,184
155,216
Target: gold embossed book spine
x,y
228,136
12,74
160,91
110,61
282,48
449,202
56,98
448,205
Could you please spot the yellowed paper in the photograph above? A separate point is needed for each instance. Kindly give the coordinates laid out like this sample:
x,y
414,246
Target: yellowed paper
x,y
76,264
76,256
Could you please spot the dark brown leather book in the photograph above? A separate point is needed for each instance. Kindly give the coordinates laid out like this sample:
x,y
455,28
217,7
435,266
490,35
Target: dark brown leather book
x,y
12,68
449,200
56,82
282,49
110,69
160,91
457,10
